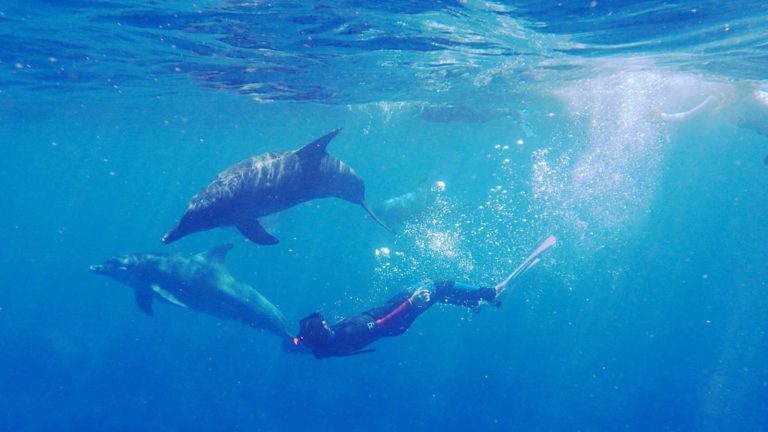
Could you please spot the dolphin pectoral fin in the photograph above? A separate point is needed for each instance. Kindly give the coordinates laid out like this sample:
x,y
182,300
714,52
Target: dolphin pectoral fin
x,y
253,231
374,217
144,301
168,296
316,149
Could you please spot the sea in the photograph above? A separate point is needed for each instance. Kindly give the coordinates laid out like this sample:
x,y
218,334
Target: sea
x,y
635,132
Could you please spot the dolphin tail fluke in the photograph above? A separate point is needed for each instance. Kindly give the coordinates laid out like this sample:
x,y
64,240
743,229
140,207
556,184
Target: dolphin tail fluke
x,y
374,217
317,147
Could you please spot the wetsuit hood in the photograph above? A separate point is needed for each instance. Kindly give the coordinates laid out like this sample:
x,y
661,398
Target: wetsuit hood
x,y
313,331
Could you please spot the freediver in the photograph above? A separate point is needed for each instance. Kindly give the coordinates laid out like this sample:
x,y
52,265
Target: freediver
x,y
352,335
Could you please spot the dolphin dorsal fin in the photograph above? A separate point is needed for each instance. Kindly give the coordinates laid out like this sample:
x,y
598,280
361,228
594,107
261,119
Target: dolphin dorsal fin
x,y
218,254
316,149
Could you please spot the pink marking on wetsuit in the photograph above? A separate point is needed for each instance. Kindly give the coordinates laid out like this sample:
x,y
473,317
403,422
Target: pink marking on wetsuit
x,y
403,306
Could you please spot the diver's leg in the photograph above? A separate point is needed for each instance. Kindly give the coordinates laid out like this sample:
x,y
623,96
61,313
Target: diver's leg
x,y
395,316
460,294
399,298
390,305
422,296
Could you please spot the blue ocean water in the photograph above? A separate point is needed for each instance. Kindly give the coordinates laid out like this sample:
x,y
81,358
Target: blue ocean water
x,y
635,132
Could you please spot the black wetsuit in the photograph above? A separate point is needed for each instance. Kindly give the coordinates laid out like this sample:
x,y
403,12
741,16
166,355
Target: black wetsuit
x,y
352,334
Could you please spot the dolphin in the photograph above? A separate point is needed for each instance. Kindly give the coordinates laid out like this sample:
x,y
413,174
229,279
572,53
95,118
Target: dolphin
x,y
398,210
201,282
269,183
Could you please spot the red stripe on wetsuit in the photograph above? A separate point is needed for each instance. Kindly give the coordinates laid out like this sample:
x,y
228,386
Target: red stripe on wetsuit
x,y
398,310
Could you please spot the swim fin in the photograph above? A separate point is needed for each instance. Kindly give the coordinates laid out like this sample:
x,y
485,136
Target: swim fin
x,y
526,265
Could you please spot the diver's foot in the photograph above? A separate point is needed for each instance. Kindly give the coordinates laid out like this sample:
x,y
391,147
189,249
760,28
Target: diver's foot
x,y
479,307
492,296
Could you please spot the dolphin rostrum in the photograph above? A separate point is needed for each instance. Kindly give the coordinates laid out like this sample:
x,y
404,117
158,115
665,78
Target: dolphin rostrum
x,y
201,282
269,183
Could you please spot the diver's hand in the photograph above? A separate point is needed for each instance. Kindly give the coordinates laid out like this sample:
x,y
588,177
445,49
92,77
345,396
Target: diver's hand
x,y
421,298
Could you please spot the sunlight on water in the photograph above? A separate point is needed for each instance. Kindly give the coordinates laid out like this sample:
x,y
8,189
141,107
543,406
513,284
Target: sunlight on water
x,y
441,243
451,239
603,186
636,133
594,184
387,111
596,192
431,244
